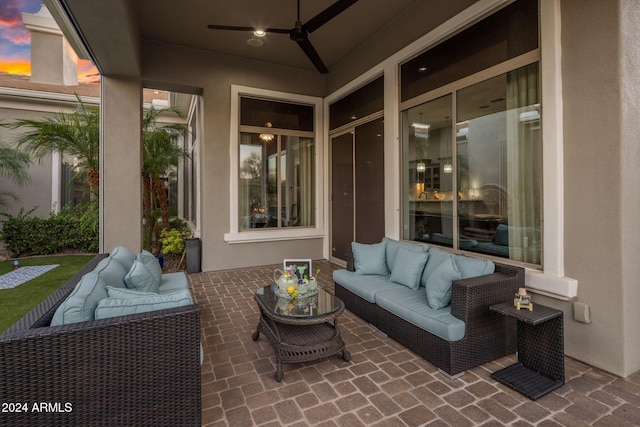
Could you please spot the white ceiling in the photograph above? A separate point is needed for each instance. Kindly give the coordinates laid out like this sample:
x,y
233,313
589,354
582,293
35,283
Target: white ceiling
x,y
109,28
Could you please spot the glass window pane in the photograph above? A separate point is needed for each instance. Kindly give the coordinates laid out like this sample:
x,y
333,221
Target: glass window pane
x,y
74,187
499,159
367,100
427,172
297,182
253,189
277,181
506,34
282,115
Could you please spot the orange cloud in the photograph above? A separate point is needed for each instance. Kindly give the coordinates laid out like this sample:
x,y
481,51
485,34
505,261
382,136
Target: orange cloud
x,y
16,67
87,72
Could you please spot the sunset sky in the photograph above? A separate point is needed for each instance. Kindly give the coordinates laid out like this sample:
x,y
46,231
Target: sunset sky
x,y
15,41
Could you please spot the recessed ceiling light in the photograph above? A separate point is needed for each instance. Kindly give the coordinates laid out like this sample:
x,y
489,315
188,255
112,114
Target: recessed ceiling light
x,y
259,33
255,42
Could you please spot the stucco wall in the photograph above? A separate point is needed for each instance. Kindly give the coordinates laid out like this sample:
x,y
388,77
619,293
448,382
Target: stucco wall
x,y
601,182
38,193
165,67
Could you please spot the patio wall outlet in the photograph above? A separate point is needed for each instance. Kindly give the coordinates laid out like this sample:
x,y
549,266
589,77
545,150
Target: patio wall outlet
x,y
581,312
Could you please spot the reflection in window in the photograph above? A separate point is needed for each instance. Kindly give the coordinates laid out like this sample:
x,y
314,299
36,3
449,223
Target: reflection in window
x,y
497,168
428,205
74,187
276,180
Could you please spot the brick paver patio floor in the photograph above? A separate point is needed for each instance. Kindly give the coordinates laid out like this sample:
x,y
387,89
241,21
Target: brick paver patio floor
x,y
384,384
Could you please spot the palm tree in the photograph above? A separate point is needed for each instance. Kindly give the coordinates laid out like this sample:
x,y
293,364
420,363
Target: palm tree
x,y
13,166
161,152
75,134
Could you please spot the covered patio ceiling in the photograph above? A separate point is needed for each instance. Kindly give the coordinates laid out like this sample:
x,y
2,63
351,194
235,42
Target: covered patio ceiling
x,y
110,33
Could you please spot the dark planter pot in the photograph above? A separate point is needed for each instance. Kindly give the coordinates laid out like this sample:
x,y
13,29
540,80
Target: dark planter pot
x,y
194,255
160,259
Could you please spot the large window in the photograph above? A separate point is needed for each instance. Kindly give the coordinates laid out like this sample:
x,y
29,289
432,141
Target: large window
x,y
472,158
276,165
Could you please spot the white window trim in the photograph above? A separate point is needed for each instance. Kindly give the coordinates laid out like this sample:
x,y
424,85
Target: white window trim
x,y
251,236
552,281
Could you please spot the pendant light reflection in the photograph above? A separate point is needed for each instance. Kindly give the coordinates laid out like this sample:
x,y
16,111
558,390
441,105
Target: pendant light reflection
x,y
267,137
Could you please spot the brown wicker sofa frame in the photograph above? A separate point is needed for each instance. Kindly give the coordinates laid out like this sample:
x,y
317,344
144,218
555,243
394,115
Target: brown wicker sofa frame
x,y
141,369
488,336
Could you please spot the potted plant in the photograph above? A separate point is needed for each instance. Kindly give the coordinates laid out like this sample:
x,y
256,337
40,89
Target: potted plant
x,y
173,246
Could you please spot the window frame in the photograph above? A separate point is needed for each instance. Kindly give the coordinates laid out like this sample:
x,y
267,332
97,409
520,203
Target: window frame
x,y
452,89
235,234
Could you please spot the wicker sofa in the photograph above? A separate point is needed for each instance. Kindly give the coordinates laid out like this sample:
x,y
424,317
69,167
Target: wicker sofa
x,y
463,334
140,369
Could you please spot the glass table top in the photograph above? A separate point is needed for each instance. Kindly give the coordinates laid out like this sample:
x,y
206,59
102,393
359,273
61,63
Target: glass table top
x,y
319,304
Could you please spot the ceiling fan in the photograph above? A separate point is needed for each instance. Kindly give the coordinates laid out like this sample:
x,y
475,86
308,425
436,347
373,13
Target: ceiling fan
x,y
300,33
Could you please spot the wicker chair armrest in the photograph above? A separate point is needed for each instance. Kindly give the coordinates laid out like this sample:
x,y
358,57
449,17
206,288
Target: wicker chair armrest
x,y
471,298
350,263
141,369
42,314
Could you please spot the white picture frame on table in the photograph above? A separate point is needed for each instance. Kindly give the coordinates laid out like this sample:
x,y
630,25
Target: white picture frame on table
x,y
295,264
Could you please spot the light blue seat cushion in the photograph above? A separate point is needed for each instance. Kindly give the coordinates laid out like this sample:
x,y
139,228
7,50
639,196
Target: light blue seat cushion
x,y
408,266
151,262
112,272
124,256
392,247
172,282
126,293
370,258
473,267
113,307
365,286
139,278
411,305
81,303
438,288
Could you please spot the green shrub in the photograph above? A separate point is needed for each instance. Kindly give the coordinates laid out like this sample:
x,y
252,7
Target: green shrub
x,y
69,230
173,240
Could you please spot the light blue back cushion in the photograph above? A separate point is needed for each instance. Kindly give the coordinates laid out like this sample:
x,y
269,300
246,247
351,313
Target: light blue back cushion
x,y
370,259
408,267
473,267
113,307
139,278
436,257
124,256
151,262
393,246
439,283
111,271
81,303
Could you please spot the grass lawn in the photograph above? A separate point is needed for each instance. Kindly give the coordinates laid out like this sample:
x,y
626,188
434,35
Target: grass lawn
x,y
16,302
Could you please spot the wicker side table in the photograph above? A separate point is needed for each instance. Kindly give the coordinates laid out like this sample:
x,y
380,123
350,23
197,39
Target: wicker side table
x,y
300,330
540,366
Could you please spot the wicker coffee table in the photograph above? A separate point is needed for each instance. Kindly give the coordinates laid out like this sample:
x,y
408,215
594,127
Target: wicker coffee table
x,y
300,329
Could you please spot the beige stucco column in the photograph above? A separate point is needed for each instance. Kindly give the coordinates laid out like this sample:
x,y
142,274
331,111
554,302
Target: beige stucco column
x,y
120,164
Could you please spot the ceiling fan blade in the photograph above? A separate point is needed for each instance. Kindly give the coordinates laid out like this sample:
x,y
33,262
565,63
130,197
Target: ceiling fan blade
x,y
327,15
309,50
233,28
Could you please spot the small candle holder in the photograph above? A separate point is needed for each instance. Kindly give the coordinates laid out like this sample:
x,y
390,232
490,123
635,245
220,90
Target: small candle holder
x,y
522,300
